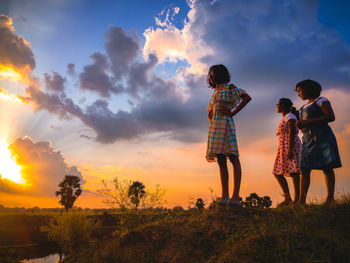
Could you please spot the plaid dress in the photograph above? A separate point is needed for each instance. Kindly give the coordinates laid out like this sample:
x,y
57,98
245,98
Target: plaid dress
x,y
222,131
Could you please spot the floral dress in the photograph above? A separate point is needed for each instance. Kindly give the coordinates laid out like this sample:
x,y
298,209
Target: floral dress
x,y
283,165
222,132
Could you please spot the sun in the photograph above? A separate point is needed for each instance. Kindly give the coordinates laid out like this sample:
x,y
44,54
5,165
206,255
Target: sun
x,y
9,168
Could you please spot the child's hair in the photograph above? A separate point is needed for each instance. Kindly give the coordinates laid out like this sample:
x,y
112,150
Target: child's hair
x,y
311,88
221,75
287,104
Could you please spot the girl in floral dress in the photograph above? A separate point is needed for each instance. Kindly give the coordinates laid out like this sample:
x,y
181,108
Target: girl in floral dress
x,y
287,159
226,101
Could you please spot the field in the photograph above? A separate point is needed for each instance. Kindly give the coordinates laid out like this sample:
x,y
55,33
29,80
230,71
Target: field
x,y
313,233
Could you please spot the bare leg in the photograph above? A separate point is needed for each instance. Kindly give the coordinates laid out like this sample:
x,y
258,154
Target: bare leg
x,y
223,175
237,176
304,186
284,185
296,184
330,183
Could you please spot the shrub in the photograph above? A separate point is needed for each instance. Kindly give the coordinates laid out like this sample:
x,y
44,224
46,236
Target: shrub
x,y
257,202
72,232
200,204
118,195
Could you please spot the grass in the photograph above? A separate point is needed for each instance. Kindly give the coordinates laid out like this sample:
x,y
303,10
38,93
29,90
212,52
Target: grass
x,y
312,233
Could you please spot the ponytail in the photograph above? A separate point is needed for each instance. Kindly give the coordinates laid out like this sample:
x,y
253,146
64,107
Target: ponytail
x,y
295,112
288,106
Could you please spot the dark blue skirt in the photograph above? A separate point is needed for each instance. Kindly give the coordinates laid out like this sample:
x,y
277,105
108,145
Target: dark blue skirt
x,y
319,150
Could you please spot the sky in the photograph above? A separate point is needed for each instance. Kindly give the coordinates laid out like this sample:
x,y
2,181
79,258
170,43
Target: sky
x,y
104,89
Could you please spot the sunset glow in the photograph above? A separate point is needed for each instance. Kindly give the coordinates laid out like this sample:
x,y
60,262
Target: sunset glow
x,y
4,95
9,169
10,74
105,89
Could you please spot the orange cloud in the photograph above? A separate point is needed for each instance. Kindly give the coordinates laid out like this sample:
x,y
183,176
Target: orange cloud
x,y
43,168
9,97
17,59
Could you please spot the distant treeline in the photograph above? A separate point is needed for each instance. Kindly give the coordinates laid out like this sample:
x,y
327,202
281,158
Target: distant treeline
x,y
57,209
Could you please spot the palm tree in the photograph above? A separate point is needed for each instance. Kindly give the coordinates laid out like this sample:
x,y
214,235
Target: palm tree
x,y
136,193
69,190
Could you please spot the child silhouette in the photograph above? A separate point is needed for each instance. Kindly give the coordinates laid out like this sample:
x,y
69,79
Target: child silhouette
x,y
226,101
319,149
287,159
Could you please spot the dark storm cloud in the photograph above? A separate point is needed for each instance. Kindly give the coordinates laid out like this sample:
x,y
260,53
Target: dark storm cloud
x,y
139,75
54,103
54,82
14,50
122,49
111,126
162,112
268,46
95,76
272,42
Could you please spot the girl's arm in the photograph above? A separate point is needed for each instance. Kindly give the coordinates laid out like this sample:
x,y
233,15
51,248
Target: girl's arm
x,y
328,116
210,115
245,99
291,131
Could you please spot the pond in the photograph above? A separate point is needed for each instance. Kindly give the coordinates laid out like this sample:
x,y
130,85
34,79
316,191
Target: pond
x,y
53,258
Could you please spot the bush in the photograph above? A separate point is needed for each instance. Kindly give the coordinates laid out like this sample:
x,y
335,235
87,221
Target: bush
x,y
72,232
200,204
256,201
118,195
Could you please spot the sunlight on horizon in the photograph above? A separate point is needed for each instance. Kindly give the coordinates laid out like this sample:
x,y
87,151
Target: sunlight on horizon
x,y
9,168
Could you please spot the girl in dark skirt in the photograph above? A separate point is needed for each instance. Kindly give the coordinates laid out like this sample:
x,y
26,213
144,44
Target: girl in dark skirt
x,y
319,147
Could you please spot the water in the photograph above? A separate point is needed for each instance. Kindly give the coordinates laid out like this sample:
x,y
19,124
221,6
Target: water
x,y
53,258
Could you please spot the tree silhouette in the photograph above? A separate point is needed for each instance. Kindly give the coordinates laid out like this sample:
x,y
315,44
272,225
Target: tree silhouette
x,y
199,204
69,190
136,192
256,201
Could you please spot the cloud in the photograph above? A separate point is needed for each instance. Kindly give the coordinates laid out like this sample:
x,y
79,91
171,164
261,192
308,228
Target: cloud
x,y
138,75
95,76
122,49
271,42
43,168
71,69
56,103
54,82
268,47
171,44
15,52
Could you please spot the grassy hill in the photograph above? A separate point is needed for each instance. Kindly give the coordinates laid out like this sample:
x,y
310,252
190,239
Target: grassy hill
x,y
311,233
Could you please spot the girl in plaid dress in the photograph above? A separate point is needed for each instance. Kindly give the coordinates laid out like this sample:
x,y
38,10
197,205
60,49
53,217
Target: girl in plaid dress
x,y
226,101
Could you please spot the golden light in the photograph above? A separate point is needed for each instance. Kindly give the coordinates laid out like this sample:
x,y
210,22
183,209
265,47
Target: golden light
x,y
4,95
9,168
9,73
